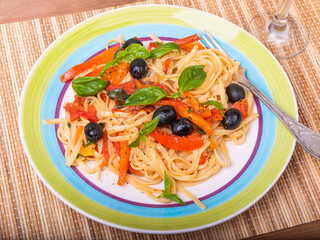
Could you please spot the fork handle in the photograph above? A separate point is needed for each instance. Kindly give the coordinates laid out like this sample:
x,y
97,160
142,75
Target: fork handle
x,y
307,138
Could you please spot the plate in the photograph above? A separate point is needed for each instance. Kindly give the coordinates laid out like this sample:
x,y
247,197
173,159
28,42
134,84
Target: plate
x,y
256,165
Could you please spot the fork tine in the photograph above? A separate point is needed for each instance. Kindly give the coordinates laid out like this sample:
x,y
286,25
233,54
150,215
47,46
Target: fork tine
x,y
213,40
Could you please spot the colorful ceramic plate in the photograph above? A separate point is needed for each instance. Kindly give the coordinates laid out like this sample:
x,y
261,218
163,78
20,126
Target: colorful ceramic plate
x,y
256,165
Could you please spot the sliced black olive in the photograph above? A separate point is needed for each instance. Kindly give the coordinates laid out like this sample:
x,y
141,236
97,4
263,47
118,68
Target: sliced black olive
x,y
93,132
167,115
235,93
138,68
232,120
182,127
131,41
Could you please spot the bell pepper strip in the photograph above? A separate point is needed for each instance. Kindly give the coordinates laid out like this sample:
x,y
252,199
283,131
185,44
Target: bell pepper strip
x,y
116,73
188,39
95,73
166,65
134,171
116,146
87,151
212,144
174,142
164,87
182,110
129,87
124,161
78,134
189,46
76,110
242,106
194,104
215,115
105,151
202,159
102,58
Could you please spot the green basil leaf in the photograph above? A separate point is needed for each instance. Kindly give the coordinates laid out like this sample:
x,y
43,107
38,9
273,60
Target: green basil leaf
x,y
217,104
191,78
167,184
175,95
136,142
119,96
150,126
164,49
146,96
132,52
88,86
128,55
174,197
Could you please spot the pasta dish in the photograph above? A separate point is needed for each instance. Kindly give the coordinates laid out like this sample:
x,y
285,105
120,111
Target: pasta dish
x,y
156,113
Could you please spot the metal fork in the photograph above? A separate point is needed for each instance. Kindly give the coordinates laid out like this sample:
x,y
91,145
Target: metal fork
x,y
307,138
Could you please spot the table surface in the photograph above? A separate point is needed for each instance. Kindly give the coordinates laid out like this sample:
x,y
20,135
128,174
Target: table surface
x,y
19,10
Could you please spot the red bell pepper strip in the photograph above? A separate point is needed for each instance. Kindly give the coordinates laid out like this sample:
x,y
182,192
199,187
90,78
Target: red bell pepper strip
x,y
182,110
124,161
105,151
174,142
166,65
186,40
189,46
193,102
95,73
242,106
102,58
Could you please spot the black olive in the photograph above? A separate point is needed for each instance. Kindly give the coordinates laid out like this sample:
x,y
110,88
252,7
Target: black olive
x,y
167,115
235,93
232,120
131,41
182,127
93,132
138,68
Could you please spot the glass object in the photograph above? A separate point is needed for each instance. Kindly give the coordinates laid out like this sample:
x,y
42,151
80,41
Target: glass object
x,y
284,35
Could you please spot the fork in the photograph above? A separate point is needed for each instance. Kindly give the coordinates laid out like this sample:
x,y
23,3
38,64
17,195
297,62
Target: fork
x,y
307,138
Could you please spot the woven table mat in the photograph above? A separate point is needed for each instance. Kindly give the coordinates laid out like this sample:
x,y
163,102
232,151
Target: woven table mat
x,y
29,210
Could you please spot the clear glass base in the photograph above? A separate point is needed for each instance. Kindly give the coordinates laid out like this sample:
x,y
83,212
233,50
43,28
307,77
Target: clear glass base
x,y
284,39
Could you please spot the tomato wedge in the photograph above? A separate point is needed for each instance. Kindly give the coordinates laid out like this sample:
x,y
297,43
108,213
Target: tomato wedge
x,y
177,143
183,110
102,58
76,110
242,106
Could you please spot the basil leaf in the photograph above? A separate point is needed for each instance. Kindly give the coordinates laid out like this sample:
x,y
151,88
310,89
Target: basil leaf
x,y
136,142
191,78
163,50
88,86
217,104
174,197
167,184
166,191
148,128
132,52
119,96
200,130
146,96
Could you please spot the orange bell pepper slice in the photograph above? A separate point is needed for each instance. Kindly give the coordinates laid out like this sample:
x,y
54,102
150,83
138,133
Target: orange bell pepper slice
x,y
102,58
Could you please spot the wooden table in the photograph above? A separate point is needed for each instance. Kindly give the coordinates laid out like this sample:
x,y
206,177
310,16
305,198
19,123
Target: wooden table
x,y
19,10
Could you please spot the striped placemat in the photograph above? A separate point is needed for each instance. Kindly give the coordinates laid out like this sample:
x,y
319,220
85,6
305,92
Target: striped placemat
x,y
29,210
